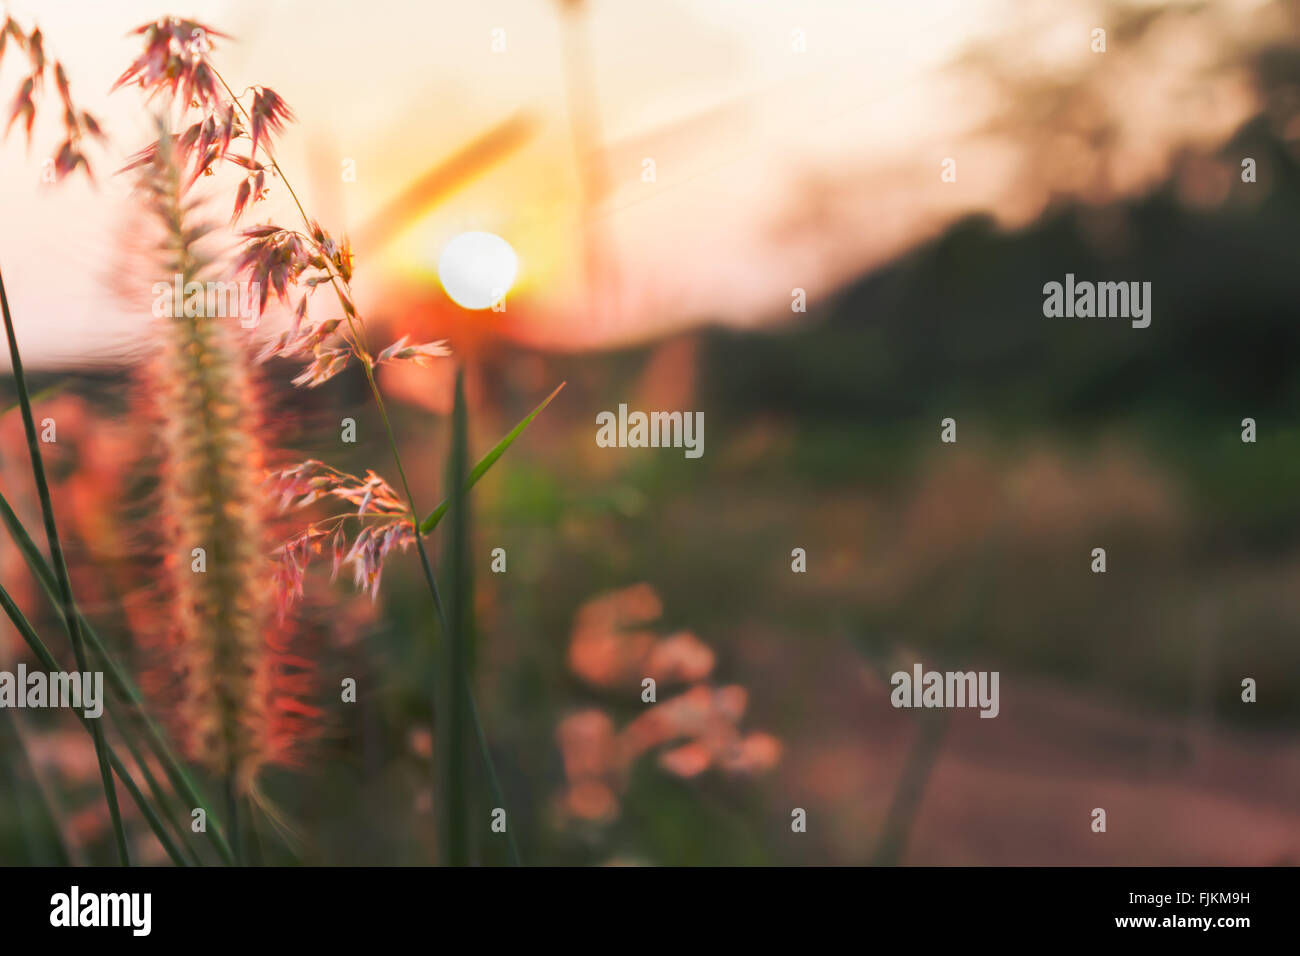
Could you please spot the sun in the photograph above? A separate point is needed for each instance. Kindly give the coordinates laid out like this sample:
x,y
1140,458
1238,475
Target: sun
x,y
477,269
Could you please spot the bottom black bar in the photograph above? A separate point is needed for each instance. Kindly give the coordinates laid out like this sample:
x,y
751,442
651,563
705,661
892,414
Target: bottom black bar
x,y
335,906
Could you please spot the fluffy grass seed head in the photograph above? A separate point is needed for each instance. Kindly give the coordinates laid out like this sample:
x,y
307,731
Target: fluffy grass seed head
x,y
236,689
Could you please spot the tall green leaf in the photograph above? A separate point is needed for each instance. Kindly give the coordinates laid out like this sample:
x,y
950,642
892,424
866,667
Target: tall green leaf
x,y
453,717
487,461
48,661
61,568
120,683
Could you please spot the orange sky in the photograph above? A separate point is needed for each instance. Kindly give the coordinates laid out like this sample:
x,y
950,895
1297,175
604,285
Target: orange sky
x,y
775,167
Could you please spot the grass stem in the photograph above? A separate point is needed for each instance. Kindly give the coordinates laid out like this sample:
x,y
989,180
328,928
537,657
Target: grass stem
x,y
364,357
28,633
121,685
61,570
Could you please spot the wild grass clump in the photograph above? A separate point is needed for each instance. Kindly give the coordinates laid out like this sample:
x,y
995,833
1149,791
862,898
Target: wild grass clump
x,y
221,647
217,639
293,263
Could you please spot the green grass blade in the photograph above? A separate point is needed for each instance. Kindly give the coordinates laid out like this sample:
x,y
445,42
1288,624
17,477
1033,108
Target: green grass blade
x,y
22,770
121,685
47,660
487,461
485,754
50,391
461,634
452,719
60,567
167,811
494,783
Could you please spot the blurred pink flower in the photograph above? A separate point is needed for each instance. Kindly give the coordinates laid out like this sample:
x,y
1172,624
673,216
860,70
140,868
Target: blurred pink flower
x,y
699,726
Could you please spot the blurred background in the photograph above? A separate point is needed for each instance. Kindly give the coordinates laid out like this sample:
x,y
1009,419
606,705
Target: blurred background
x,y
669,175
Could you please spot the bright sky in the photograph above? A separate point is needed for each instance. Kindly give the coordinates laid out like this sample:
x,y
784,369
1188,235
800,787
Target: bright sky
x,y
795,144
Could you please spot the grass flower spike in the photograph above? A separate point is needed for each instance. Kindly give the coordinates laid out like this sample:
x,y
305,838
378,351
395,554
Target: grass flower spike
x,y
233,690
